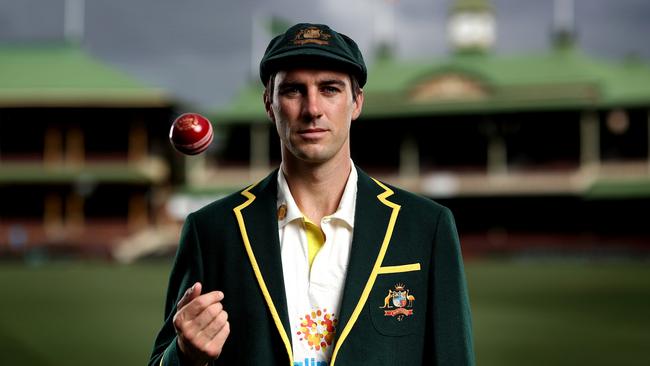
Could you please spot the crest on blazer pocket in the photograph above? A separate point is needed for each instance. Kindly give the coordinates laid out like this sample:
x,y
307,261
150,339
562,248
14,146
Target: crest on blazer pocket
x,y
395,305
399,302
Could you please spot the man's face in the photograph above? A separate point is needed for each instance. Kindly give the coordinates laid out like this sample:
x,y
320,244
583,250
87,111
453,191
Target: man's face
x,y
312,111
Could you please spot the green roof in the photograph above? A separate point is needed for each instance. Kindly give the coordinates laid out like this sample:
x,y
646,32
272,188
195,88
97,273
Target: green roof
x,y
558,79
38,75
471,5
247,107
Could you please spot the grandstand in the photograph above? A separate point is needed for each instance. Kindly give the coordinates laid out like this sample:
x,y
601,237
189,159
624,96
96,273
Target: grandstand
x,y
529,150
83,153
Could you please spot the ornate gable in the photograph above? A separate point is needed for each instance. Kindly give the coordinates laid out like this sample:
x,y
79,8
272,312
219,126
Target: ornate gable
x,y
448,86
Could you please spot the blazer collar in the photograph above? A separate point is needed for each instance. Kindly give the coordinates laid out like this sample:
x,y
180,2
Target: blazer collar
x,y
258,226
375,219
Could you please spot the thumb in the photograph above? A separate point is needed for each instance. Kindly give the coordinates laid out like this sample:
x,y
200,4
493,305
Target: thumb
x,y
191,293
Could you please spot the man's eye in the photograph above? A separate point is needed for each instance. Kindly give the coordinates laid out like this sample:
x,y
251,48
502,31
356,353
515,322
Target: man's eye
x,y
330,90
290,91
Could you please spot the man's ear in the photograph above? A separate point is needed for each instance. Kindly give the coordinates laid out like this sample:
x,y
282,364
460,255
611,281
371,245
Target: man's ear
x,y
267,105
357,105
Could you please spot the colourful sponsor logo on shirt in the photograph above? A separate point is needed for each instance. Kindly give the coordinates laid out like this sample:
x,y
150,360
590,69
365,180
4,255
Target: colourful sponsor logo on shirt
x,y
318,329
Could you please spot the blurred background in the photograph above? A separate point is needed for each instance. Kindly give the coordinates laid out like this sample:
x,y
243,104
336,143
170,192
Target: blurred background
x,y
529,119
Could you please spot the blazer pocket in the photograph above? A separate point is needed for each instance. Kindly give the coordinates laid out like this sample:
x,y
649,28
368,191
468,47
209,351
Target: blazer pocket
x,y
393,302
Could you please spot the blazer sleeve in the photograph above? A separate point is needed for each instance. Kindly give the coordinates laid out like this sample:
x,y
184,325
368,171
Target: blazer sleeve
x,y
187,269
452,321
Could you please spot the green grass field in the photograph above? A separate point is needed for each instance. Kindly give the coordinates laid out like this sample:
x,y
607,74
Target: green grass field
x,y
525,313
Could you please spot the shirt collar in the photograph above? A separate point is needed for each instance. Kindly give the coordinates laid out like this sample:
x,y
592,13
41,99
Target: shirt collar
x,y
292,212
344,212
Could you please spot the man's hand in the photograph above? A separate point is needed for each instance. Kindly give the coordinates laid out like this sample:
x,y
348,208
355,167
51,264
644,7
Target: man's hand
x,y
201,325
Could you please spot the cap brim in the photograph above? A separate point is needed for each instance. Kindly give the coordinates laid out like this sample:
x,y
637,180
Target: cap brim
x,y
310,58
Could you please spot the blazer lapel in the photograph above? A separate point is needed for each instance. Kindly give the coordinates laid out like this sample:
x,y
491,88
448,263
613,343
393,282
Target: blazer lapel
x,y
258,225
374,220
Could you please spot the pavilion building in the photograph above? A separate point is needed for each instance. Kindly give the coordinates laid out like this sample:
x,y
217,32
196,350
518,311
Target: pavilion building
x,y
528,150
84,158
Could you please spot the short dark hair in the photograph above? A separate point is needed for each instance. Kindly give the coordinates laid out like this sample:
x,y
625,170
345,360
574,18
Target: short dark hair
x,y
354,85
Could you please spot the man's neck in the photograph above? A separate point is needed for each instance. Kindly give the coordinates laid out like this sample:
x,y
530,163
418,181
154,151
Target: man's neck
x,y
317,188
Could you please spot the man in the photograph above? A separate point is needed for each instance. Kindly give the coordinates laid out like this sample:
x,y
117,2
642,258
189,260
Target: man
x,y
317,264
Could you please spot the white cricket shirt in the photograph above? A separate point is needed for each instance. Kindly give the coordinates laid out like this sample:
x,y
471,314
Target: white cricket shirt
x,y
314,297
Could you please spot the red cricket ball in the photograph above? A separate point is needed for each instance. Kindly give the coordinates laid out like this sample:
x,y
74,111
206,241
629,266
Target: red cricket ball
x,y
191,133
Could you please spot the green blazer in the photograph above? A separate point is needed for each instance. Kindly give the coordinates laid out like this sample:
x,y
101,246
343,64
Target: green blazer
x,y
401,242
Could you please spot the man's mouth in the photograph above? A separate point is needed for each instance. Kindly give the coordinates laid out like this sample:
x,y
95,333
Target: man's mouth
x,y
312,133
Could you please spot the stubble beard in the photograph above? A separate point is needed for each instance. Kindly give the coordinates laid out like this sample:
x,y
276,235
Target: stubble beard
x,y
314,154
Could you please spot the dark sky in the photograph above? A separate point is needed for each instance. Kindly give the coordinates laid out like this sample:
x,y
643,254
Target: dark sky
x,y
201,50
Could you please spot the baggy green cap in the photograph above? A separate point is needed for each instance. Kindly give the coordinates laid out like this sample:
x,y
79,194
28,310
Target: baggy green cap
x,y
313,46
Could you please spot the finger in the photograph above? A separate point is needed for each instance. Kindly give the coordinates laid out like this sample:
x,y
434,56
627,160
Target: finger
x,y
198,336
211,329
190,294
208,315
215,346
200,303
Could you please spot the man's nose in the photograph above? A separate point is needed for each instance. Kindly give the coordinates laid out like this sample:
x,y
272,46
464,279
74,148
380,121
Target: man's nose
x,y
312,108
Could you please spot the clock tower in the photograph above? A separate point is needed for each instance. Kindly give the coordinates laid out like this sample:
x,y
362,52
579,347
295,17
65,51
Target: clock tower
x,y
471,26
